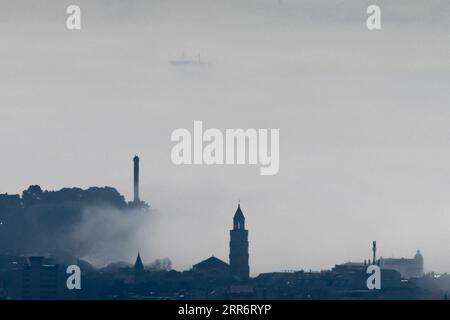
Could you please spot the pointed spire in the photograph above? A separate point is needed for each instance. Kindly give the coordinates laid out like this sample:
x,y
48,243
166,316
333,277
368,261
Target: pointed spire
x,y
239,213
239,219
138,265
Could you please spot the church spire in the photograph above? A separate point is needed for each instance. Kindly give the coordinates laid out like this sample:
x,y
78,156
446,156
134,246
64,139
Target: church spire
x,y
138,265
239,219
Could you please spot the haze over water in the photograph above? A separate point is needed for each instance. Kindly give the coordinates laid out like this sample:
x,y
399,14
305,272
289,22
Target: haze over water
x,y
363,119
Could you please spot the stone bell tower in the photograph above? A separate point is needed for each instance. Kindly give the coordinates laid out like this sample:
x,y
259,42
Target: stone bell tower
x,y
239,267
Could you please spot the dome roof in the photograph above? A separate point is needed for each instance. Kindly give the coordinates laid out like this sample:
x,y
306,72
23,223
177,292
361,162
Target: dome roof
x,y
418,255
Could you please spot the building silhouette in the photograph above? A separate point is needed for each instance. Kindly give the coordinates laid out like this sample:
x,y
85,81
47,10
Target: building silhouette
x,y
136,179
408,267
239,267
40,280
212,267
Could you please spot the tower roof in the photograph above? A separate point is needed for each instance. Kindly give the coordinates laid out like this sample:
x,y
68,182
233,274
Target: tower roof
x,y
239,215
138,265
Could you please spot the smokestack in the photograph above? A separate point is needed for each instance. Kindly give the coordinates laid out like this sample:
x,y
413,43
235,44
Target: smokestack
x,y
136,179
374,250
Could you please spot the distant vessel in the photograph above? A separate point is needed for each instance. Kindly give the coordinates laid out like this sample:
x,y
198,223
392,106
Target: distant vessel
x,y
188,62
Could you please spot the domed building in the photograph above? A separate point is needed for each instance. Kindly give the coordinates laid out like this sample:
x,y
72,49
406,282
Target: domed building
x,y
408,268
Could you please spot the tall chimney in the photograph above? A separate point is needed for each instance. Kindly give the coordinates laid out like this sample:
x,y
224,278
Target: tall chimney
x,y
136,179
374,250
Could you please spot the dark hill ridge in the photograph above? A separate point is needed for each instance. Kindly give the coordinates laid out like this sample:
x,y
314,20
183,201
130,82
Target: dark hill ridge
x,y
92,196
42,221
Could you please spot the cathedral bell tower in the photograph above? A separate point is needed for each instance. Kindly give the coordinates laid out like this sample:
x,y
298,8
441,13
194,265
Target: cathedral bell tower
x,y
239,267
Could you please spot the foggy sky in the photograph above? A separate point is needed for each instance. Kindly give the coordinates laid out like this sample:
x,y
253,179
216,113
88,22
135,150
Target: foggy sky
x,y
363,118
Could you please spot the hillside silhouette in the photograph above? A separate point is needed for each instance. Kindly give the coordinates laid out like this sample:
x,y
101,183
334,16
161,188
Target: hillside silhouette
x,y
45,222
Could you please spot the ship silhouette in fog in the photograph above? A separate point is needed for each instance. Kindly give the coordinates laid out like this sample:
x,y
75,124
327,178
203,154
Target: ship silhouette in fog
x,y
184,61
